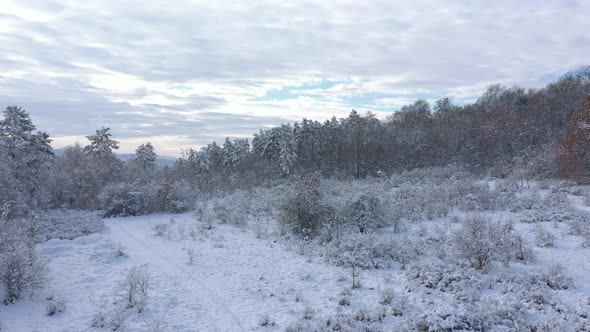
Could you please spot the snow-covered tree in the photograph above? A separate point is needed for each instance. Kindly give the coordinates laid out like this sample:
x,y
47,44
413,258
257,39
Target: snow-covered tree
x,y
101,143
308,135
145,157
27,153
234,152
358,131
74,181
228,153
288,149
366,213
481,241
301,211
104,163
356,254
241,149
21,269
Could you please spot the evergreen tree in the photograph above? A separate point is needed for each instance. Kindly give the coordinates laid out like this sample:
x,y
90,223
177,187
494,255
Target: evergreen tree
x,y
145,157
288,152
28,154
101,143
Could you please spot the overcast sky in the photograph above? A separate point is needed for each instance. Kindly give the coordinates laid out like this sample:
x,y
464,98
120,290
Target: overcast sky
x,y
182,75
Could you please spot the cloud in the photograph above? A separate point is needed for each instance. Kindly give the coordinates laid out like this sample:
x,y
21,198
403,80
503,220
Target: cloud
x,y
199,71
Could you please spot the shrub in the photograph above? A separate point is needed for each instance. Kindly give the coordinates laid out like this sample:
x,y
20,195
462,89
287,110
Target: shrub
x,y
99,320
301,211
123,199
161,229
173,196
135,287
402,251
265,321
21,269
387,296
480,241
191,256
357,254
67,224
554,278
55,306
117,318
366,213
544,238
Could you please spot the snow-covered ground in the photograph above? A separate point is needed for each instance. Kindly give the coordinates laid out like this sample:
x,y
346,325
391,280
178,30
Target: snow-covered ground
x,y
234,282
238,280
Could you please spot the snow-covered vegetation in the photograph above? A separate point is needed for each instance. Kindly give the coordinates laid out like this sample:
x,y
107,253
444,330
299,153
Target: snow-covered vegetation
x,y
355,224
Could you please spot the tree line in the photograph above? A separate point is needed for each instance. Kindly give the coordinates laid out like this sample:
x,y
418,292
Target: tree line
x,y
508,131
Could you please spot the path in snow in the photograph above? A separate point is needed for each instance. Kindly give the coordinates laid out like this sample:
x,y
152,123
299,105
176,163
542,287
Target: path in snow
x,y
235,281
196,293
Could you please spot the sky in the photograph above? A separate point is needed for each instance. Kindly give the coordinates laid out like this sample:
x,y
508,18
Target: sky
x,y
182,74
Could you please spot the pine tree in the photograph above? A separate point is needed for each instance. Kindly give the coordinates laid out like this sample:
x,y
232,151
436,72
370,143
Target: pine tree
x,y
228,154
101,143
28,153
145,157
288,152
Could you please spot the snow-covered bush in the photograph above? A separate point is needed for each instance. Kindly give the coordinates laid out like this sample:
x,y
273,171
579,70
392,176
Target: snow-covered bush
x,y
431,174
99,320
190,256
135,288
204,215
55,306
116,318
221,212
480,241
438,242
473,242
362,319
155,326
266,321
554,278
123,199
576,219
387,296
402,251
488,315
21,269
365,212
543,238
234,208
171,196
415,202
161,229
13,201
442,277
67,224
302,211
527,201
357,254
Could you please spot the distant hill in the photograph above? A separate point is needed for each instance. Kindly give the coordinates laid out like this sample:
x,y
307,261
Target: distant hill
x,y
161,161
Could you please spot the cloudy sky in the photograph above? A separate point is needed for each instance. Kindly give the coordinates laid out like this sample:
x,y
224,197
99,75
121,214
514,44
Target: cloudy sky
x,y
182,74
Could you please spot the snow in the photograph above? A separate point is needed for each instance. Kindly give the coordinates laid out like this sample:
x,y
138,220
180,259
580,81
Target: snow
x,y
239,278
235,281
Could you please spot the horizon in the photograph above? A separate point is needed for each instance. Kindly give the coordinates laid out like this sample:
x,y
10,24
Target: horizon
x,y
186,75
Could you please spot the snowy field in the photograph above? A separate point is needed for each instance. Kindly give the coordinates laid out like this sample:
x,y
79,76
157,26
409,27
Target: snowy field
x,y
248,276
234,281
